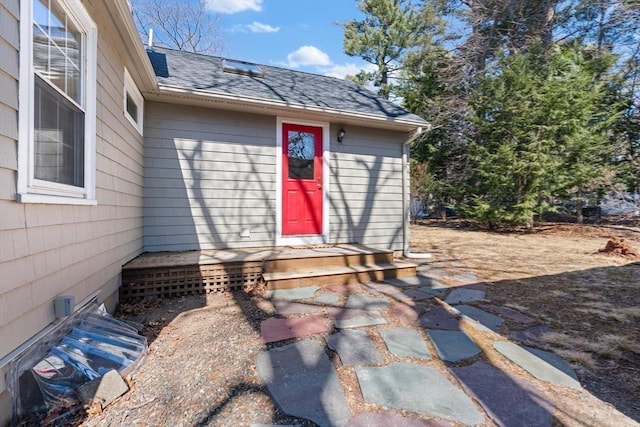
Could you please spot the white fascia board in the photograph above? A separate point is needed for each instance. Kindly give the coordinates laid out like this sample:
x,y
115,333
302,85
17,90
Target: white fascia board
x,y
254,104
123,18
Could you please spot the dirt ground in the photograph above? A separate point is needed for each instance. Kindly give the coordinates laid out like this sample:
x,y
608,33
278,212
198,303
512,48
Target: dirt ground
x,y
199,370
558,275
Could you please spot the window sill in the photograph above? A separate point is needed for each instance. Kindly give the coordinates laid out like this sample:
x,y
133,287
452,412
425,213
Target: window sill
x,y
54,200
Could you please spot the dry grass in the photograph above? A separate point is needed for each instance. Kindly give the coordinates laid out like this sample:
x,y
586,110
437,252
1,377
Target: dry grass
x,y
556,275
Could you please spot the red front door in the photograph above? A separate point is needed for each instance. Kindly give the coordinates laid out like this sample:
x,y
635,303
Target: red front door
x,y
301,179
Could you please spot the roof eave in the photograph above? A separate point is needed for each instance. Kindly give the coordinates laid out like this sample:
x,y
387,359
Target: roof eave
x,y
181,95
139,66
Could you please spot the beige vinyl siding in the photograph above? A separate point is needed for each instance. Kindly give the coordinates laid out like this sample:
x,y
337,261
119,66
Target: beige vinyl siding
x,y
208,175
365,200
48,250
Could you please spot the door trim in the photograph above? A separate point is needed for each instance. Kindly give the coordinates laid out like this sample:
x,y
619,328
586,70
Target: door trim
x,y
311,239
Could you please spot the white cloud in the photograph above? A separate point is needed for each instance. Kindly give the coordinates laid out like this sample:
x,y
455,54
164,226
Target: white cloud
x,y
342,70
233,6
308,55
258,27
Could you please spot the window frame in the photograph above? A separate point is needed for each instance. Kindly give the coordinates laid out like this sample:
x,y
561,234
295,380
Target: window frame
x,y
131,90
29,188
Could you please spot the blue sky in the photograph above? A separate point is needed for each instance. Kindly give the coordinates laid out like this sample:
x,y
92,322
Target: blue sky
x,y
297,34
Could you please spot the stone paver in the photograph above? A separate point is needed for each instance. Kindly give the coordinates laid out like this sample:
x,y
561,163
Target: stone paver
x,y
365,302
293,294
274,329
303,383
349,288
464,295
287,308
354,348
532,336
416,388
327,298
465,277
535,365
434,290
554,360
404,313
382,288
508,313
417,295
405,342
383,419
508,401
453,346
488,320
439,318
355,317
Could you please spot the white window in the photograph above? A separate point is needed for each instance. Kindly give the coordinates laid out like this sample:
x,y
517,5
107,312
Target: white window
x,y
56,150
133,103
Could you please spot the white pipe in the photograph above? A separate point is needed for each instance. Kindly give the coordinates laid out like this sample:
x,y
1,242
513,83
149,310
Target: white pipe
x,y
406,199
150,37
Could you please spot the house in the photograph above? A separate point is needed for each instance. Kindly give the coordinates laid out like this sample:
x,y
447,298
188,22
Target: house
x,y
109,150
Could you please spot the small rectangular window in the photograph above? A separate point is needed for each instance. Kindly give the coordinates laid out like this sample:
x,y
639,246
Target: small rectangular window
x,y
132,108
133,102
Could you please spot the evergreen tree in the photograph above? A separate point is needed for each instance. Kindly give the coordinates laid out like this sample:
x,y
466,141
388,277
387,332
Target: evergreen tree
x,y
541,132
390,29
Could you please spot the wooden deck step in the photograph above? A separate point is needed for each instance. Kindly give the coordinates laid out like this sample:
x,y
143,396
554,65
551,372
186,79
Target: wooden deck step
x,y
356,273
170,274
330,257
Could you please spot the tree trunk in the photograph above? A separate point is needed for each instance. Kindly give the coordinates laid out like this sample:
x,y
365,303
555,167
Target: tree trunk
x,y
579,217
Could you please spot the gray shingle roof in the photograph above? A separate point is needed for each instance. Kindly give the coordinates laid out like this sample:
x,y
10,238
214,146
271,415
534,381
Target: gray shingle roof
x,y
193,71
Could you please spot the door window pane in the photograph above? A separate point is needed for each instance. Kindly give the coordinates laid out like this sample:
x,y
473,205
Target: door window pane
x,y
301,148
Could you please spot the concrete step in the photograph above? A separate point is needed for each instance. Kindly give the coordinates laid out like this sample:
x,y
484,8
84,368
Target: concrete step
x,y
357,273
326,257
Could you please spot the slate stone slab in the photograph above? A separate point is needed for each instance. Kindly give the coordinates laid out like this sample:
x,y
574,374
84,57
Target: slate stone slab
x,y
382,288
465,278
439,318
554,360
405,342
354,348
417,295
508,313
408,281
487,320
508,401
403,313
433,290
349,288
416,388
303,383
327,298
287,308
464,295
453,346
532,336
355,317
273,329
293,294
365,302
272,425
383,419
535,365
